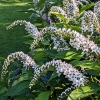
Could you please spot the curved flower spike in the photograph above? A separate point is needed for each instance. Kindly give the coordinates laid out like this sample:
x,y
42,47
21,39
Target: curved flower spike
x,y
97,9
30,28
64,93
77,40
25,59
64,68
89,21
21,22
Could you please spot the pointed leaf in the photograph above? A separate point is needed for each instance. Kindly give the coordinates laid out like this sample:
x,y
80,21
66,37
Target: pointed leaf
x,y
16,89
69,55
84,91
58,14
3,89
43,96
40,3
54,75
28,42
85,7
75,28
15,73
2,58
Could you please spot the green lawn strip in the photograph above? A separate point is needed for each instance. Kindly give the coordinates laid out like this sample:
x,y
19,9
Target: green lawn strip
x,y
12,40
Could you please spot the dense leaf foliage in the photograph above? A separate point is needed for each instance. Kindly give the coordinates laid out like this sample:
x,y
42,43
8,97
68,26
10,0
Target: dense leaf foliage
x,y
63,62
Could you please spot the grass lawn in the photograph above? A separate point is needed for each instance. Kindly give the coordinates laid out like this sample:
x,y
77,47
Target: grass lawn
x,y
12,40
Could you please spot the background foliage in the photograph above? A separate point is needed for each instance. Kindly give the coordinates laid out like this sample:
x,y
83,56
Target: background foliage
x,y
48,86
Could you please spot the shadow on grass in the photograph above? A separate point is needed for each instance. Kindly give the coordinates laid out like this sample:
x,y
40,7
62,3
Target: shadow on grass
x,y
12,40
14,1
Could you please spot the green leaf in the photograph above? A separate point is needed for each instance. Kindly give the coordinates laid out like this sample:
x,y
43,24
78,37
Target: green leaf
x,y
21,97
3,97
2,58
40,3
86,7
28,42
97,68
97,40
28,36
75,28
39,55
88,64
24,77
62,17
83,91
69,55
45,42
93,72
54,75
43,96
75,62
16,89
50,52
15,73
3,89
59,25
38,49
91,67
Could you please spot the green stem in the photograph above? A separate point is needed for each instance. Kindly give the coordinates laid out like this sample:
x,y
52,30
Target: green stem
x,y
91,97
96,79
41,17
44,85
92,78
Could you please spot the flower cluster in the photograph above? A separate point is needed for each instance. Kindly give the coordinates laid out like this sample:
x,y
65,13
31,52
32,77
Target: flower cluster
x,y
76,2
49,30
72,10
64,68
89,21
25,59
64,93
77,40
58,37
97,9
21,22
60,43
61,67
46,30
66,2
80,42
30,28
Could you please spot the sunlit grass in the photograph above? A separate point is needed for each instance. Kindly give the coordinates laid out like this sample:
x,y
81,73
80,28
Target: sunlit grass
x,y
12,40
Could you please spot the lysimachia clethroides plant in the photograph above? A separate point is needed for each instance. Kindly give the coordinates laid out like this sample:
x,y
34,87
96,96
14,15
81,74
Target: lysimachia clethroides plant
x,y
70,46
